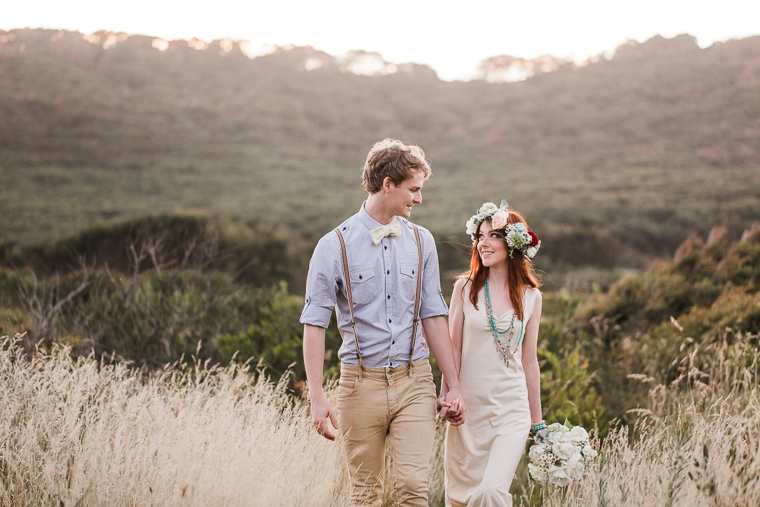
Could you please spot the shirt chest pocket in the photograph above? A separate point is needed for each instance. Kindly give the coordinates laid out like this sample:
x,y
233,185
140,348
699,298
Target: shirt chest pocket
x,y
365,286
408,280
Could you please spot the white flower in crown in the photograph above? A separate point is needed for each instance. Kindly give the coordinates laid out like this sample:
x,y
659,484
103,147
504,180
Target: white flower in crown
x,y
488,208
472,226
516,235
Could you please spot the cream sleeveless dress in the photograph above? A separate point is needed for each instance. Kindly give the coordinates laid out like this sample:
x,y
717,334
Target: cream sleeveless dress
x,y
482,454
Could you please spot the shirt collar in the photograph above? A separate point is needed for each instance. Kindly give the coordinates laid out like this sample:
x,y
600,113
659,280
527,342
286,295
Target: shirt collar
x,y
367,220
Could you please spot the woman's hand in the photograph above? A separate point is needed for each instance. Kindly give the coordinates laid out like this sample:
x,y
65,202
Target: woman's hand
x,y
452,411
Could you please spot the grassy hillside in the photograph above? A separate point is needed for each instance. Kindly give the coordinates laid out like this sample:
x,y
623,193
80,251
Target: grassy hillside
x,y
638,151
163,204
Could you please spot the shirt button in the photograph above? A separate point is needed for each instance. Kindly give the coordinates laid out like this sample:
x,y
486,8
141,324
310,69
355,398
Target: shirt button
x,y
389,296
388,272
390,321
386,247
393,342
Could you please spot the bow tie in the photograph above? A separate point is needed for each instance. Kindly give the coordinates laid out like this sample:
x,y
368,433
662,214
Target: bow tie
x,y
393,229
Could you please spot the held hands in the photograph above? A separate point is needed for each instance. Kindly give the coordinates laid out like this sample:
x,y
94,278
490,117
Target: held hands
x,y
321,411
452,407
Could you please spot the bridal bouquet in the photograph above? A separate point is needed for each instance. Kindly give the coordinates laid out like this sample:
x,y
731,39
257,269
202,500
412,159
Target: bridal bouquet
x,y
561,456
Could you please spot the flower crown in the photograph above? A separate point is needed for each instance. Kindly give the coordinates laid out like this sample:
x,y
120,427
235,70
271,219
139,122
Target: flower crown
x,y
517,236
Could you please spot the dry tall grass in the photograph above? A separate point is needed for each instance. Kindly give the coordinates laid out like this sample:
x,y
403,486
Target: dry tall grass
x,y
76,432
697,445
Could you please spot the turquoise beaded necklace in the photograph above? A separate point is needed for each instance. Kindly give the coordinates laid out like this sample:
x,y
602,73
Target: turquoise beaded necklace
x,y
503,349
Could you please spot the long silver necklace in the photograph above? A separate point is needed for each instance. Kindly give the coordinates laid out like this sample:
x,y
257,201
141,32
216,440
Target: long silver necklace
x,y
503,348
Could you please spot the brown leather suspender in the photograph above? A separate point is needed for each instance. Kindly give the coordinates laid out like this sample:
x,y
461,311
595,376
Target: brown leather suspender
x,y
416,316
349,295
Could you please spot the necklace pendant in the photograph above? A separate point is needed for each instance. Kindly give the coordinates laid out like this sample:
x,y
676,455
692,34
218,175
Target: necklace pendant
x,y
504,350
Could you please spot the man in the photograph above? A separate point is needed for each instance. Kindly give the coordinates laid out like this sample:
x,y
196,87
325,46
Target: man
x,y
386,386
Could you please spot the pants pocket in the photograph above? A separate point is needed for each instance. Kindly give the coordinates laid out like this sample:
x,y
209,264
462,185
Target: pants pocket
x,y
347,385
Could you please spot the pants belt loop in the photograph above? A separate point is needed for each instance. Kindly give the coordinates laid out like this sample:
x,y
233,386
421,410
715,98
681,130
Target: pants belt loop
x,y
360,376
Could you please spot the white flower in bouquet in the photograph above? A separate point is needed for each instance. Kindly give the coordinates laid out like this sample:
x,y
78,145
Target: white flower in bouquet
x,y
578,434
561,456
559,477
563,449
575,467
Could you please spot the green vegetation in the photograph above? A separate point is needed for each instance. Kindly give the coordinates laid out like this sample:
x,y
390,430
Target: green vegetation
x,y
709,293
612,163
159,205
154,289
170,300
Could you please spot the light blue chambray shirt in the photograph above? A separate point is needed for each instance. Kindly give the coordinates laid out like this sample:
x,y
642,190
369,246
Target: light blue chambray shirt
x,y
383,283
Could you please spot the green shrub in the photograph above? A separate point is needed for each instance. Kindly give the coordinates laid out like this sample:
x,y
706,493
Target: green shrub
x,y
253,253
568,389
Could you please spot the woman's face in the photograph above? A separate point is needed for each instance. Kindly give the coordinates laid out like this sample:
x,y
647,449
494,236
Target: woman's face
x,y
491,245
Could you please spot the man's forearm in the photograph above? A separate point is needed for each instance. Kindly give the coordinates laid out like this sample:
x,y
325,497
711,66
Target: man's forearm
x,y
437,336
314,357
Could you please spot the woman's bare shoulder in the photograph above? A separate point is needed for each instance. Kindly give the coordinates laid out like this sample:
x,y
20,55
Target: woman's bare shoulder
x,y
460,285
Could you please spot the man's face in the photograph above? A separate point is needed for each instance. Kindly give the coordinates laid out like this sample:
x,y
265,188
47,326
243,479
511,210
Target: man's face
x,y
402,197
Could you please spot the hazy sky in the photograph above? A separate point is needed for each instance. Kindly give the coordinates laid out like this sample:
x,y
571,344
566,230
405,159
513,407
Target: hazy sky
x,y
450,36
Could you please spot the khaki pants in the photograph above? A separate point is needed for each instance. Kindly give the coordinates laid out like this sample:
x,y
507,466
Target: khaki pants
x,y
377,402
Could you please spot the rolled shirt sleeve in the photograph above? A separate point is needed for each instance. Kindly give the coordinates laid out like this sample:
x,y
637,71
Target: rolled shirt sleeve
x,y
432,303
322,283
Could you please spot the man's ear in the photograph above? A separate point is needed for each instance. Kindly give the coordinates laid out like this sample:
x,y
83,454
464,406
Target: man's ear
x,y
388,184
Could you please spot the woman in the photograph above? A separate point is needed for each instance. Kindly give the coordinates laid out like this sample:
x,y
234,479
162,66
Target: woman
x,y
493,320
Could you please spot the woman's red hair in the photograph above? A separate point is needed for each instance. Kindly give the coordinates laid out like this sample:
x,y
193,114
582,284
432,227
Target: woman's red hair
x,y
520,272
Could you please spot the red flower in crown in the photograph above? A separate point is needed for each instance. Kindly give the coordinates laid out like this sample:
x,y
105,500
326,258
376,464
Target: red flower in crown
x,y
533,239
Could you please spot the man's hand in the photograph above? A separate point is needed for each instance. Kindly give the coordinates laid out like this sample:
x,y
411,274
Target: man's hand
x,y
314,358
453,408
321,411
